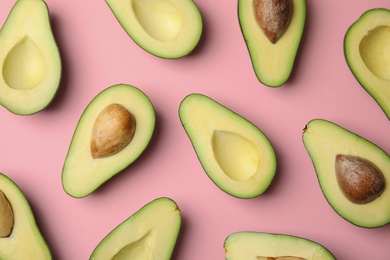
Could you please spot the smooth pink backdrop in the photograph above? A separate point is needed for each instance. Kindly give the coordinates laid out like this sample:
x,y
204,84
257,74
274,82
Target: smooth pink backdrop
x,y
97,53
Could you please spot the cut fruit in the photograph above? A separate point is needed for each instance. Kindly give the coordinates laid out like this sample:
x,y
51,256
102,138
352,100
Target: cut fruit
x,y
354,173
268,246
113,131
164,28
234,153
366,49
272,60
150,233
30,62
20,236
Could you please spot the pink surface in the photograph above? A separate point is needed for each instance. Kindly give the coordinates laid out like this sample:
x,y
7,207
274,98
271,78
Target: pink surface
x,y
97,53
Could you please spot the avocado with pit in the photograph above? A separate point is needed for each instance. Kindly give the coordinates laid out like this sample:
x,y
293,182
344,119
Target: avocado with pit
x,y
353,173
248,245
20,237
165,28
272,31
30,62
235,154
366,49
113,131
150,233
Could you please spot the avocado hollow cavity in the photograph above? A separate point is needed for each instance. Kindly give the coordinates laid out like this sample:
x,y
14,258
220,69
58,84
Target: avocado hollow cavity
x,y
6,216
24,66
112,131
161,19
238,157
374,50
138,249
359,179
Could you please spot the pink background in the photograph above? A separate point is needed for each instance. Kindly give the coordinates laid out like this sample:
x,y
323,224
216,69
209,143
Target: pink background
x,y
97,53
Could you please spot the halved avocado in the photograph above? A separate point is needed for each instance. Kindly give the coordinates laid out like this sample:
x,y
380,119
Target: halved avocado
x,y
354,173
20,237
150,233
164,28
30,62
272,62
234,153
366,49
113,131
266,246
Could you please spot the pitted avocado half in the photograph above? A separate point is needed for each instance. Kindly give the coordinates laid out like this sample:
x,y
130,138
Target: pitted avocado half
x,y
150,233
113,131
165,28
30,62
353,173
272,51
269,246
20,237
234,153
366,49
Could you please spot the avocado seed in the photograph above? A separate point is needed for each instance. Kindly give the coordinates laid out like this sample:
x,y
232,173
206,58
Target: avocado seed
x,y
112,131
359,179
273,17
6,216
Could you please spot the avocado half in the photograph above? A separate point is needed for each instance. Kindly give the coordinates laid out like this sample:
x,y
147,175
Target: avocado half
x,y
113,131
272,62
20,237
328,143
366,45
234,153
150,233
30,62
248,245
165,28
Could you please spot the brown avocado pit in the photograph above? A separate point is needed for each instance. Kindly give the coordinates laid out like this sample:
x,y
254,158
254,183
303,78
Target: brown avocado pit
x,y
6,216
359,179
112,131
273,17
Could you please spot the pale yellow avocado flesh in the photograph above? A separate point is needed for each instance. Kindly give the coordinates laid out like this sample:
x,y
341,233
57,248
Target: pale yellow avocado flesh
x,y
30,62
272,63
234,153
25,240
258,245
323,141
366,47
164,28
82,173
150,233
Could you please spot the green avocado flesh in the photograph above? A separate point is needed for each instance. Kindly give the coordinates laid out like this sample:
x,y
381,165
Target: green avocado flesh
x,y
30,63
150,233
366,48
272,62
234,153
164,28
113,131
354,173
267,246
20,237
